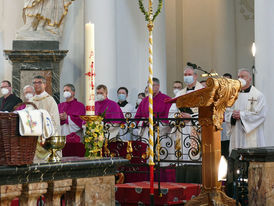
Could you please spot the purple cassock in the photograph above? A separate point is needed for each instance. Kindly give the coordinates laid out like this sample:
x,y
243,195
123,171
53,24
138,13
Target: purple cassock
x,y
73,109
159,107
111,109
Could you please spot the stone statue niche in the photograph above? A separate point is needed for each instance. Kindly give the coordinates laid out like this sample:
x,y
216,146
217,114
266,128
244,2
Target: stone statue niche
x,y
43,20
36,48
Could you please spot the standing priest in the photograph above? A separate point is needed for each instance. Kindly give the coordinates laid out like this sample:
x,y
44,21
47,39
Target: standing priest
x,y
70,112
246,117
108,109
44,101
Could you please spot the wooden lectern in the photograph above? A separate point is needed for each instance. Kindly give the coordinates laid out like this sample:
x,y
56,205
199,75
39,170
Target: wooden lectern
x,y
212,102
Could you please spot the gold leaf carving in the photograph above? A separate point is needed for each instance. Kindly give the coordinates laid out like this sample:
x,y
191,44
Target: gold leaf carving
x,y
219,93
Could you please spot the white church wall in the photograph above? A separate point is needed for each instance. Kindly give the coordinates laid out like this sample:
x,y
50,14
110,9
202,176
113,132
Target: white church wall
x,y
11,20
174,28
245,33
73,68
211,33
264,39
132,49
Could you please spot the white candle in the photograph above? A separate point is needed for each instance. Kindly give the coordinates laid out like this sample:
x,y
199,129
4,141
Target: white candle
x,y
90,69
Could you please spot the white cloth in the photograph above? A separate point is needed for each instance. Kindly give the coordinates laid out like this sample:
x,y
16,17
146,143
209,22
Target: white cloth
x,y
189,131
173,109
35,123
67,129
126,137
30,123
128,108
48,128
249,130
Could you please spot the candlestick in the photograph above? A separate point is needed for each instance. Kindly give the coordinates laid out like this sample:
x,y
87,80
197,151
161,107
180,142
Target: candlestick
x,y
90,69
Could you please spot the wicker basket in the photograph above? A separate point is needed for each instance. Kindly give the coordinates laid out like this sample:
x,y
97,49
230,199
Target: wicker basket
x,y
15,149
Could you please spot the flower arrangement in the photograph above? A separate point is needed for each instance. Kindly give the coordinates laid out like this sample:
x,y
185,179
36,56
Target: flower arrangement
x,y
94,137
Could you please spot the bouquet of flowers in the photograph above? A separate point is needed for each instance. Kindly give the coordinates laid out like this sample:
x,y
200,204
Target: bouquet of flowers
x,y
94,137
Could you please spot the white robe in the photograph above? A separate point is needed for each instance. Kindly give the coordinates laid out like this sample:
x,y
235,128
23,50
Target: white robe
x,y
67,129
189,129
249,130
46,102
126,135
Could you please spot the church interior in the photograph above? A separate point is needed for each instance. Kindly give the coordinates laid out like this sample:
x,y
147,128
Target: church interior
x,y
102,102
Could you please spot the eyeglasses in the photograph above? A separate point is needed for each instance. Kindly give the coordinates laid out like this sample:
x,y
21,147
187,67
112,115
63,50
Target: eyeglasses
x,y
37,82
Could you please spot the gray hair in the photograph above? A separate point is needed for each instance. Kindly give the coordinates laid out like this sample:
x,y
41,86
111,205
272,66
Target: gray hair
x,y
245,70
190,67
27,86
71,86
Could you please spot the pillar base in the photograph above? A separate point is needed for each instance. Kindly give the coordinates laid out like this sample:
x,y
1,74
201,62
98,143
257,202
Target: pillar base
x,y
212,197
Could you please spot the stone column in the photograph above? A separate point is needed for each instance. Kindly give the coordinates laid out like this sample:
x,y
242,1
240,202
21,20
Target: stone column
x,y
55,190
31,192
75,196
8,193
264,61
103,14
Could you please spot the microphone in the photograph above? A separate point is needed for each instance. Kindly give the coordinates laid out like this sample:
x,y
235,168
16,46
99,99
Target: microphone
x,y
206,73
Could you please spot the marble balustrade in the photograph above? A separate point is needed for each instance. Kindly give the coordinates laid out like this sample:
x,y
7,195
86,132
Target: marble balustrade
x,y
81,181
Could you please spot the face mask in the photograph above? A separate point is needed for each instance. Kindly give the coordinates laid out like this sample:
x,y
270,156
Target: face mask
x,y
29,96
67,94
138,101
188,80
175,91
4,91
243,82
122,97
100,97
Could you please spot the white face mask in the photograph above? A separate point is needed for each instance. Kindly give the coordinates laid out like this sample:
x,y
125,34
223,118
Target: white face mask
x,y
188,80
4,91
243,82
175,91
100,97
29,96
138,101
67,94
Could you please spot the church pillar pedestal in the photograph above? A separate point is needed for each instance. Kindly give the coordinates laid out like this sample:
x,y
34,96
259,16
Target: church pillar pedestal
x,y
8,193
55,190
31,192
75,196
31,58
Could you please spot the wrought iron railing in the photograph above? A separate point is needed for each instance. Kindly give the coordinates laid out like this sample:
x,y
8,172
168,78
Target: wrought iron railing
x,y
177,141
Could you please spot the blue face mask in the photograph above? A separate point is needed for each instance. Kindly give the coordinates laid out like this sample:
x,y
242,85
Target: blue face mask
x,y
188,80
122,97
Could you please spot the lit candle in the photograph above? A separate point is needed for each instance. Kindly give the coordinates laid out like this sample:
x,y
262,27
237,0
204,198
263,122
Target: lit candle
x,y
90,69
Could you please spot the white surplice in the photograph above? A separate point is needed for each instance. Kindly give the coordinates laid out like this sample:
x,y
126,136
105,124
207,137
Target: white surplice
x,y
249,130
46,102
189,131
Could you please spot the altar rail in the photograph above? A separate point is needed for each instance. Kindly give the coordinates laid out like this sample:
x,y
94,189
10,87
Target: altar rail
x,y
80,180
177,142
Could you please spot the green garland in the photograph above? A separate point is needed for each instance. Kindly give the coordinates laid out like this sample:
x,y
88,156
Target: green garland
x,y
146,13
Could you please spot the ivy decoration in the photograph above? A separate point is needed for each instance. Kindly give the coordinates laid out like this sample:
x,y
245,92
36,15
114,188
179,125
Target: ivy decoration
x,y
146,13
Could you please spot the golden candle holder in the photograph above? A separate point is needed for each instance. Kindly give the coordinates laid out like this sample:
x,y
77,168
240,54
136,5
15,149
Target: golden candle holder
x,y
55,144
94,135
